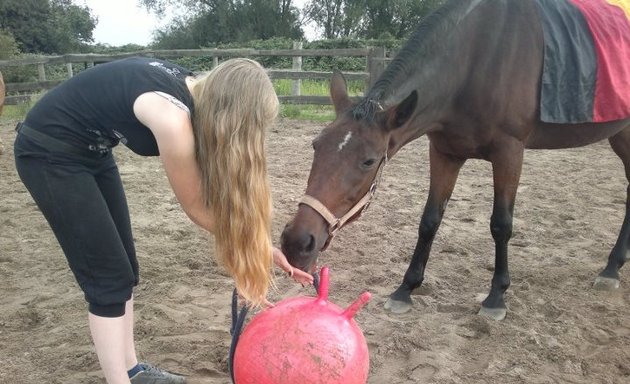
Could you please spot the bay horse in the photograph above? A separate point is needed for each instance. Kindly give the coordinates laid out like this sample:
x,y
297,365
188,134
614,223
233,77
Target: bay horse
x,y
469,78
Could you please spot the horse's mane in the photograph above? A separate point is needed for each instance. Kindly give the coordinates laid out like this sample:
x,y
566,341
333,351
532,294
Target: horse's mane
x,y
419,43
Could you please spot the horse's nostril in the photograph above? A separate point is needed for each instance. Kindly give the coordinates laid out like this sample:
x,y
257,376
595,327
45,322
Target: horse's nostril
x,y
310,245
297,242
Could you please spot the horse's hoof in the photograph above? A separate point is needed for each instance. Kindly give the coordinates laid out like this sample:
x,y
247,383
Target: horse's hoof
x,y
497,314
396,306
606,283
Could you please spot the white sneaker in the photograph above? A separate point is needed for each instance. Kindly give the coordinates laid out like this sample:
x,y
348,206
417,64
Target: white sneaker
x,y
154,375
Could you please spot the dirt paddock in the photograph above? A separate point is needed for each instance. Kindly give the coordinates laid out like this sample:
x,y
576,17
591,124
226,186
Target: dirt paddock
x,y
558,329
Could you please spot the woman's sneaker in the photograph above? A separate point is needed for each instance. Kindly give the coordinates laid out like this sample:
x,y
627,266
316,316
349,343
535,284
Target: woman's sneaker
x,y
154,375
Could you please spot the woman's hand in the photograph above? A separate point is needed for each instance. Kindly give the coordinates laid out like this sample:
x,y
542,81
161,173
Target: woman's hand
x,y
297,274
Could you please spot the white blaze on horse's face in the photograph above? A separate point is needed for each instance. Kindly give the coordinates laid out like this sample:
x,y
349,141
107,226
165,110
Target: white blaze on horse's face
x,y
345,141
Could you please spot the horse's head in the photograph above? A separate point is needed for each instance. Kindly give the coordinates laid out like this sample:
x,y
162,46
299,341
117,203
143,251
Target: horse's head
x,y
349,156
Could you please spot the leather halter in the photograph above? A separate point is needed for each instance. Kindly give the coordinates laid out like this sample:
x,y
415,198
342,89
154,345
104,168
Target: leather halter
x,y
335,223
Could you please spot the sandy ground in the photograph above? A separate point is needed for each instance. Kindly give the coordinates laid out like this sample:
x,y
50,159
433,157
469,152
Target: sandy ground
x,y
558,329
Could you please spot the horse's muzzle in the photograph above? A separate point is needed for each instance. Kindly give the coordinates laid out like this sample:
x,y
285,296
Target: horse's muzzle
x,y
300,246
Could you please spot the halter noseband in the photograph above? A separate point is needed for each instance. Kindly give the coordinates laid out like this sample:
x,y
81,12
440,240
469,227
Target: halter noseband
x,y
335,223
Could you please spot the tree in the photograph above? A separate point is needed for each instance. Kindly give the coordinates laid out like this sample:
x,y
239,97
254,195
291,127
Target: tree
x,y
337,18
47,26
397,18
369,19
212,22
8,45
73,25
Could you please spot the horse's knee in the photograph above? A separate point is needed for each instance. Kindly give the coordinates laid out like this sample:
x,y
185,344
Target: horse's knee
x,y
501,227
429,225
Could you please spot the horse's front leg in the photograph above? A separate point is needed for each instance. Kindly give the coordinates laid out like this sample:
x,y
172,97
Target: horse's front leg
x,y
507,163
443,173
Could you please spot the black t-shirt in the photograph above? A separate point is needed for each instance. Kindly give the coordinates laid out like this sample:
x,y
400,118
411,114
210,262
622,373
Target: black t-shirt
x,y
98,103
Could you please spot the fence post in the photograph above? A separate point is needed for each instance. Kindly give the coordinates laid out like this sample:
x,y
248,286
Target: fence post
x,y
215,60
42,72
297,66
376,64
69,69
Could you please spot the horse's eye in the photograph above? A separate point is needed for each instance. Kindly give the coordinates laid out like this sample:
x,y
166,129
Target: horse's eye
x,y
368,163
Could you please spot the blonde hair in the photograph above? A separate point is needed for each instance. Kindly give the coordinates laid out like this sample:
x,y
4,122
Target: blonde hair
x,y
235,103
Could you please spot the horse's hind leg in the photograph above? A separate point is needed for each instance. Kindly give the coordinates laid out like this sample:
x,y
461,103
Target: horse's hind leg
x,y
507,163
444,171
608,279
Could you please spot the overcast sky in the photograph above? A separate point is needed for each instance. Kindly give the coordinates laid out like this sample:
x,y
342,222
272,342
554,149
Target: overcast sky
x,y
123,22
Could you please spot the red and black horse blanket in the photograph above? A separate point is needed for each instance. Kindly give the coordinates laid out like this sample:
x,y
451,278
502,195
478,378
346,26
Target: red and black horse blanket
x,y
586,70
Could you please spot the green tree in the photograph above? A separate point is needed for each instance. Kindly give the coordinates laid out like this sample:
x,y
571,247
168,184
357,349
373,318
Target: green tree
x,y
8,45
369,19
177,35
73,26
336,18
212,22
47,26
397,18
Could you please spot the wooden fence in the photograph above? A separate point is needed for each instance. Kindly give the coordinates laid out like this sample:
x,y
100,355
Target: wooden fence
x,y
375,58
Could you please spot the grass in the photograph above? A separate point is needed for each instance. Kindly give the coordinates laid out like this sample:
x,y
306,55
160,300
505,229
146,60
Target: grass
x,y
15,112
19,111
319,113
315,87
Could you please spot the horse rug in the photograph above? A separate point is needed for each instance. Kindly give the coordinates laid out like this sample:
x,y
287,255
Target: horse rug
x,y
586,68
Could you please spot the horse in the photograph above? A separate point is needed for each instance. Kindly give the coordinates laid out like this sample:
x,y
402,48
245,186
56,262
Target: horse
x,y
469,78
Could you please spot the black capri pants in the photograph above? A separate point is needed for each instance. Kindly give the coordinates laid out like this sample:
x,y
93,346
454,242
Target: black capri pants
x,y
82,197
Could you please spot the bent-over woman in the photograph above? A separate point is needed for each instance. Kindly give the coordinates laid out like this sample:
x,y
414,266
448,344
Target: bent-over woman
x,y
209,133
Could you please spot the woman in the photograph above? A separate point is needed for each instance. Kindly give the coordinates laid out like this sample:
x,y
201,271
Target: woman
x,y
209,133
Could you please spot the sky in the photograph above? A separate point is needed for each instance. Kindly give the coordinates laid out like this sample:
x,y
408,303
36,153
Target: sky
x,y
122,22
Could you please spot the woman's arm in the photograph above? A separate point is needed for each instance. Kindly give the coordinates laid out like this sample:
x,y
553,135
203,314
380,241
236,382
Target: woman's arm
x,y
172,129
173,132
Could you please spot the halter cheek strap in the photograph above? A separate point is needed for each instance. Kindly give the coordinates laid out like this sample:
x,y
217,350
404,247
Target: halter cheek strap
x,y
334,223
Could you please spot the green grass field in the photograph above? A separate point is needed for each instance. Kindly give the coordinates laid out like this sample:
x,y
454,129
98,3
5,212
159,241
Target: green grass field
x,y
323,113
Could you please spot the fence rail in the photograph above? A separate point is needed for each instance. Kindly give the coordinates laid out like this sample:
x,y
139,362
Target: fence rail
x,y
375,57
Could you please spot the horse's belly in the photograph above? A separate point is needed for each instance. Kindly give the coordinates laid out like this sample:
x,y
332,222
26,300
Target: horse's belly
x,y
556,136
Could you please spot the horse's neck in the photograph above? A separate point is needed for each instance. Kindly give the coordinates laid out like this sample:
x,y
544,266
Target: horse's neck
x,y
431,52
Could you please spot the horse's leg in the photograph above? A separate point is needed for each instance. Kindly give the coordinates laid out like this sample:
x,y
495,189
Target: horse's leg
x,y
443,173
608,279
506,169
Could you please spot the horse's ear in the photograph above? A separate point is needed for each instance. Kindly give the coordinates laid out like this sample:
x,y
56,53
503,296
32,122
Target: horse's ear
x,y
339,92
401,113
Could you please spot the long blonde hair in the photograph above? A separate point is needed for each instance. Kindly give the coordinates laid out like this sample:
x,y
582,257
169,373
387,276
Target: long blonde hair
x,y
235,103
